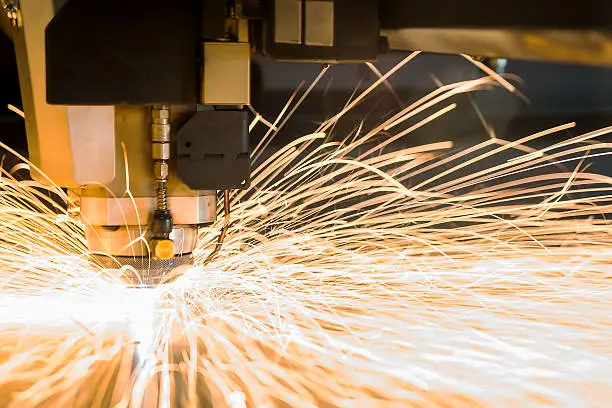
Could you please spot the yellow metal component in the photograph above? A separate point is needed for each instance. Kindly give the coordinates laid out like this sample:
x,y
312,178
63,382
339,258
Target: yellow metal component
x,y
46,125
580,46
226,78
288,21
319,23
243,31
164,249
71,145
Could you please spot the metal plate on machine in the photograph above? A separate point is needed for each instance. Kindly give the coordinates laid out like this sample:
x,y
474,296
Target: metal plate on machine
x,y
319,23
288,21
226,79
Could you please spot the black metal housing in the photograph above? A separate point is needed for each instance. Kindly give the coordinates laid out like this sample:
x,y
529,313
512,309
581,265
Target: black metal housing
x,y
526,14
142,52
115,52
253,9
213,19
213,150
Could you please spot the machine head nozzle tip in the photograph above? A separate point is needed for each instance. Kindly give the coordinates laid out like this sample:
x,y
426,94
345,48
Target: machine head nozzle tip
x,y
164,249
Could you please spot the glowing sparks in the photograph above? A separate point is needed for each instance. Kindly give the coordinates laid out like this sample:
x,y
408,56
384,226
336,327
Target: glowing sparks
x,y
16,110
349,276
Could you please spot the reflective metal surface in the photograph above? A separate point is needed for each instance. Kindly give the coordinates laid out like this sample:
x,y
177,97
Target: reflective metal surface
x,y
151,272
131,241
288,21
580,46
46,125
125,211
319,23
226,75
92,143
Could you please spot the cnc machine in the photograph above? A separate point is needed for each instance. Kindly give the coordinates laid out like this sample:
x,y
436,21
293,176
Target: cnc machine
x,y
142,105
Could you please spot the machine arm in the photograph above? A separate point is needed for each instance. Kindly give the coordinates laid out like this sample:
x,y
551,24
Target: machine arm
x,y
166,84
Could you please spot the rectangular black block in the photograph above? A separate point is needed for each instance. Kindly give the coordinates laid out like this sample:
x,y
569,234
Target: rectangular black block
x,y
213,150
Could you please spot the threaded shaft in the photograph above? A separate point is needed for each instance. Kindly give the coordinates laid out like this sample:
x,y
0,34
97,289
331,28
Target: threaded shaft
x,y
162,223
161,152
162,197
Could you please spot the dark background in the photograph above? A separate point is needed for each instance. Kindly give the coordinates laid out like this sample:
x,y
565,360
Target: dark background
x,y
12,128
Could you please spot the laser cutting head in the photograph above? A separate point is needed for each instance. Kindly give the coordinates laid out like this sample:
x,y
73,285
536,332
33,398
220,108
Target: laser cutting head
x,y
147,143
145,113
146,217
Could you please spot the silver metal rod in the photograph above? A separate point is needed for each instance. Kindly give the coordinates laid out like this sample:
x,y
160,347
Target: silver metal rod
x,y
160,133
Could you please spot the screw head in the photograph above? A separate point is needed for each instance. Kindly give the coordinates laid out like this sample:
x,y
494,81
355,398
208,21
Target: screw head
x,y
163,114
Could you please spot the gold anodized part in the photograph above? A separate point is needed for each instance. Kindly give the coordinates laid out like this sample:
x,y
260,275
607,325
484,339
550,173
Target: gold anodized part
x,y
226,79
46,125
164,249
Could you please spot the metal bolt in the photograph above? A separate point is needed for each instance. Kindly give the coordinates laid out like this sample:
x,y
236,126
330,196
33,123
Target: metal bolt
x,y
160,170
161,151
161,115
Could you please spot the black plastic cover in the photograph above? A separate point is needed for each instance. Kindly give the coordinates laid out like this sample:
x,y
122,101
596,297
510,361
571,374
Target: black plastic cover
x,y
213,151
115,52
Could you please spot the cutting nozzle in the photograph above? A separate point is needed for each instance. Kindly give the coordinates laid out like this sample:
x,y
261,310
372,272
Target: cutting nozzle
x,y
147,272
161,227
163,249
